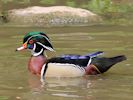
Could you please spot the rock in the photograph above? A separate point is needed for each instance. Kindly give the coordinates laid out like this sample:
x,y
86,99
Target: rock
x,y
3,18
52,16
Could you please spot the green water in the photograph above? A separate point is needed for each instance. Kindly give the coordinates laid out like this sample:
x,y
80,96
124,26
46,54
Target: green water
x,y
117,84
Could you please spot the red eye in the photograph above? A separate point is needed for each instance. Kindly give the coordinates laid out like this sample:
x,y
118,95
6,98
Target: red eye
x,y
31,41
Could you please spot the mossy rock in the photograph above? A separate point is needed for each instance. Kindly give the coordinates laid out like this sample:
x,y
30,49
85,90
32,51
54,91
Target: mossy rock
x,y
52,16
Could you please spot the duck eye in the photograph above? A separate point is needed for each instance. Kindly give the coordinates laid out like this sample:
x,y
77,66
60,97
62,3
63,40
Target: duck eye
x,y
31,41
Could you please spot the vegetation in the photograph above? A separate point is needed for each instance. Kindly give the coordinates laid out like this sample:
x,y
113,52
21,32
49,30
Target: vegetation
x,y
115,13
15,1
48,2
110,10
71,3
105,6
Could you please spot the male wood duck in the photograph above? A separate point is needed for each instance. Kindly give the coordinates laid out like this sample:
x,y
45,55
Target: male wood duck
x,y
70,65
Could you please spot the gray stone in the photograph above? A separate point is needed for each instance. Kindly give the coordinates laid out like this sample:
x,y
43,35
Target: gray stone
x,y
52,16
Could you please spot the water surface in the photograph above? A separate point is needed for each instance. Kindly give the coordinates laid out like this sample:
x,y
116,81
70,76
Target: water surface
x,y
116,84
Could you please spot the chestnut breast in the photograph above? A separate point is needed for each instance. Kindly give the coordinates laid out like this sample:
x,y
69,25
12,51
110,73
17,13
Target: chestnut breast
x,y
35,64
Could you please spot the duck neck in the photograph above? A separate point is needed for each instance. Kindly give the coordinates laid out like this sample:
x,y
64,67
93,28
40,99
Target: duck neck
x,y
36,63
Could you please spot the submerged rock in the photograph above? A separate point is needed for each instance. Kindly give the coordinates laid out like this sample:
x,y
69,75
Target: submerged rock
x,y
52,16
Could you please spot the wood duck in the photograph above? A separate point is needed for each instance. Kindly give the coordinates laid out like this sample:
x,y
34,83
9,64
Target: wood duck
x,y
70,65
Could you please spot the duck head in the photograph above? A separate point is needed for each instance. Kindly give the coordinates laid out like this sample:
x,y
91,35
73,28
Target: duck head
x,y
37,42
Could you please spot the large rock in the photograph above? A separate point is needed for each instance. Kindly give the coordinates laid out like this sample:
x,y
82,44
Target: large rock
x,y
52,16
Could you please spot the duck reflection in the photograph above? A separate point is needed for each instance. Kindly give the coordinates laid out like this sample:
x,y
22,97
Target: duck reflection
x,y
81,87
80,82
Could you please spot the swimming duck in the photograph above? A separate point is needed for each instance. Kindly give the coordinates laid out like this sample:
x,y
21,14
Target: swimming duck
x,y
70,65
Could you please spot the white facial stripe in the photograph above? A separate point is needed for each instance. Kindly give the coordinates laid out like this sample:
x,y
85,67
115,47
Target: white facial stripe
x,y
48,48
34,47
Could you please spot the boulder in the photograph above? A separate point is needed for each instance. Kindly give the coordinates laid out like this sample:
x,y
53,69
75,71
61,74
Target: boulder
x,y
52,16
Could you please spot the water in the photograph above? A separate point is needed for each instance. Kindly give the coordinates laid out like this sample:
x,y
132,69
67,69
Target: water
x,y
16,83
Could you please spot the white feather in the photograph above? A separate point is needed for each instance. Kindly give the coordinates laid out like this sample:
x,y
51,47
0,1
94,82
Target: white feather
x,y
63,70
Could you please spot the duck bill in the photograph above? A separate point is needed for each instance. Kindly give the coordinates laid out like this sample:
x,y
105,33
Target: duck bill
x,y
24,46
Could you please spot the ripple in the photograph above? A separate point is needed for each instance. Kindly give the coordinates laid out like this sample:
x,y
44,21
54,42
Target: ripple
x,y
64,91
66,95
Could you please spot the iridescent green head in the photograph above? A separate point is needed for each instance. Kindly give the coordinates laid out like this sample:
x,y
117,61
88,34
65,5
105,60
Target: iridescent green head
x,y
37,42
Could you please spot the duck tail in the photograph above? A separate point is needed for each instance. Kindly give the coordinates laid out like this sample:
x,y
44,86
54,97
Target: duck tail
x,y
103,64
117,59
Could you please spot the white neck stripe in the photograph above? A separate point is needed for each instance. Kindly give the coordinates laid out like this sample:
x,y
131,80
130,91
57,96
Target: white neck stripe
x,y
37,54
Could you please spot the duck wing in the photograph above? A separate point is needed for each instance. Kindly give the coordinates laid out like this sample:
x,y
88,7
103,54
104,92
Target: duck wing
x,y
81,60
